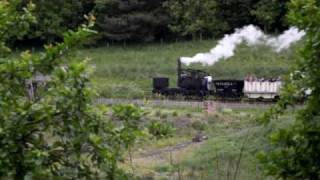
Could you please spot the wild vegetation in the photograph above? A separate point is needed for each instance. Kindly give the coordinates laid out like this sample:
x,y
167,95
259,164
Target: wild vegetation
x,y
295,148
54,130
234,137
51,129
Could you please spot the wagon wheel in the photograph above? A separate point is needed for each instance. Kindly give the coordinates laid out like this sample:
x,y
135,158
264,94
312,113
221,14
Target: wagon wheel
x,y
260,99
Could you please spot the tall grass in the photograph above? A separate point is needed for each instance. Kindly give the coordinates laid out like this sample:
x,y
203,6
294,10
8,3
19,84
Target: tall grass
x,y
126,72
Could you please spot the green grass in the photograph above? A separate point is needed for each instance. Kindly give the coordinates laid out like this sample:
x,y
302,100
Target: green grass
x,y
127,72
219,156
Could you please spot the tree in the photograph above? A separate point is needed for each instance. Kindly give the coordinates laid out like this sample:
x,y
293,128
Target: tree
x,y
56,132
56,17
136,20
13,24
236,13
271,15
195,17
296,152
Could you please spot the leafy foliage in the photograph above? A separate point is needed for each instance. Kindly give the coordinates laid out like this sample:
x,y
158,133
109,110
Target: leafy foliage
x,y
194,17
160,129
296,148
56,17
56,132
13,24
271,14
215,18
149,20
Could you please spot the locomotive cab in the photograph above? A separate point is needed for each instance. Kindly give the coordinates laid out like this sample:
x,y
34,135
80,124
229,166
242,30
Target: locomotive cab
x,y
190,82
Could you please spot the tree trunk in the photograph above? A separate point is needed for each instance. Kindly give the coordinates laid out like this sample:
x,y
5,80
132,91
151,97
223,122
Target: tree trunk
x,y
20,169
20,172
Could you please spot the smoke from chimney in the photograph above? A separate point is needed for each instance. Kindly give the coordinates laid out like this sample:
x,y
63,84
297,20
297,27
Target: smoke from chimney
x,y
251,35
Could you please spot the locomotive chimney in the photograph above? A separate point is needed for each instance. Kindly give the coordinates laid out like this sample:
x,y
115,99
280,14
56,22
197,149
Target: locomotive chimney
x,y
179,72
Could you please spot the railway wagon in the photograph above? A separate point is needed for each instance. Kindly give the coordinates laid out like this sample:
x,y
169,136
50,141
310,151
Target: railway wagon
x,y
262,89
228,88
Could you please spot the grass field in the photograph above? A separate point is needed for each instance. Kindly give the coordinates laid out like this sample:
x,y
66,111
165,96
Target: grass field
x,y
234,139
127,72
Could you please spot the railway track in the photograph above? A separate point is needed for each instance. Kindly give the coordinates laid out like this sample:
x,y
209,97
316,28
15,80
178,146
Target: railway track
x,y
186,104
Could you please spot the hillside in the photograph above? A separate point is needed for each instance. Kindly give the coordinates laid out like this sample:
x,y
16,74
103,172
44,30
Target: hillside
x,y
230,152
127,72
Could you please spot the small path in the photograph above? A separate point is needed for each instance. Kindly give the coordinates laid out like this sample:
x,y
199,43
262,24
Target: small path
x,y
165,150
169,149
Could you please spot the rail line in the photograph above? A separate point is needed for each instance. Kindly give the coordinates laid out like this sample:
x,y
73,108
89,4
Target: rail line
x,y
186,104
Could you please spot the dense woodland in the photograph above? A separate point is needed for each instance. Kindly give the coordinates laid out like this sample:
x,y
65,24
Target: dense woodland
x,y
155,20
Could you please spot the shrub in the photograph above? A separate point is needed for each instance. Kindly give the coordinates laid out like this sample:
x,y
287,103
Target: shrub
x,y
199,125
189,115
175,114
163,116
160,129
158,113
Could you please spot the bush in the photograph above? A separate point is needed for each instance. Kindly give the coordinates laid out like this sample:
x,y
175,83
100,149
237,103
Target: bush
x,y
158,113
199,125
55,131
160,129
189,115
175,114
163,116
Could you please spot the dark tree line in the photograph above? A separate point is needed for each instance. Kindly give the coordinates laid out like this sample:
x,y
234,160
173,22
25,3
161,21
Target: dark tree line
x,y
149,20
131,19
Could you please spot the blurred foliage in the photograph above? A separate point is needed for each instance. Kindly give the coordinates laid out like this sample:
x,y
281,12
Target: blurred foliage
x,y
56,132
271,14
133,20
195,17
214,18
295,149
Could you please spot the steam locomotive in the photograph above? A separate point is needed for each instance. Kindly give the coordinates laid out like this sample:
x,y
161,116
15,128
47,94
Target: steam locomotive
x,y
197,83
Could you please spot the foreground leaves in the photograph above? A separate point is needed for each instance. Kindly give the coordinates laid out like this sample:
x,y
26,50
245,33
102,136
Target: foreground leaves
x,y
49,127
296,149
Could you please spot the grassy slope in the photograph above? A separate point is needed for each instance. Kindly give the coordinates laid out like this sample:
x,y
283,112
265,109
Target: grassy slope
x,y
218,157
127,72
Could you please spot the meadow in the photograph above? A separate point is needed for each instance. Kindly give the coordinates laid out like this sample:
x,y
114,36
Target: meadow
x,y
235,138
127,71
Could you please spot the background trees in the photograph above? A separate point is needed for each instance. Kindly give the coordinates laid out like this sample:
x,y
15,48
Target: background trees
x,y
195,18
137,20
215,18
149,20
55,17
271,15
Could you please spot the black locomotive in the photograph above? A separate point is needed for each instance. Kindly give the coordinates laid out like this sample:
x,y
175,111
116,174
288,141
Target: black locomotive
x,y
197,83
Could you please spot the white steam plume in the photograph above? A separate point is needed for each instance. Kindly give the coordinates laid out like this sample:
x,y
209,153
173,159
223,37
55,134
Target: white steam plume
x,y
285,40
250,34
